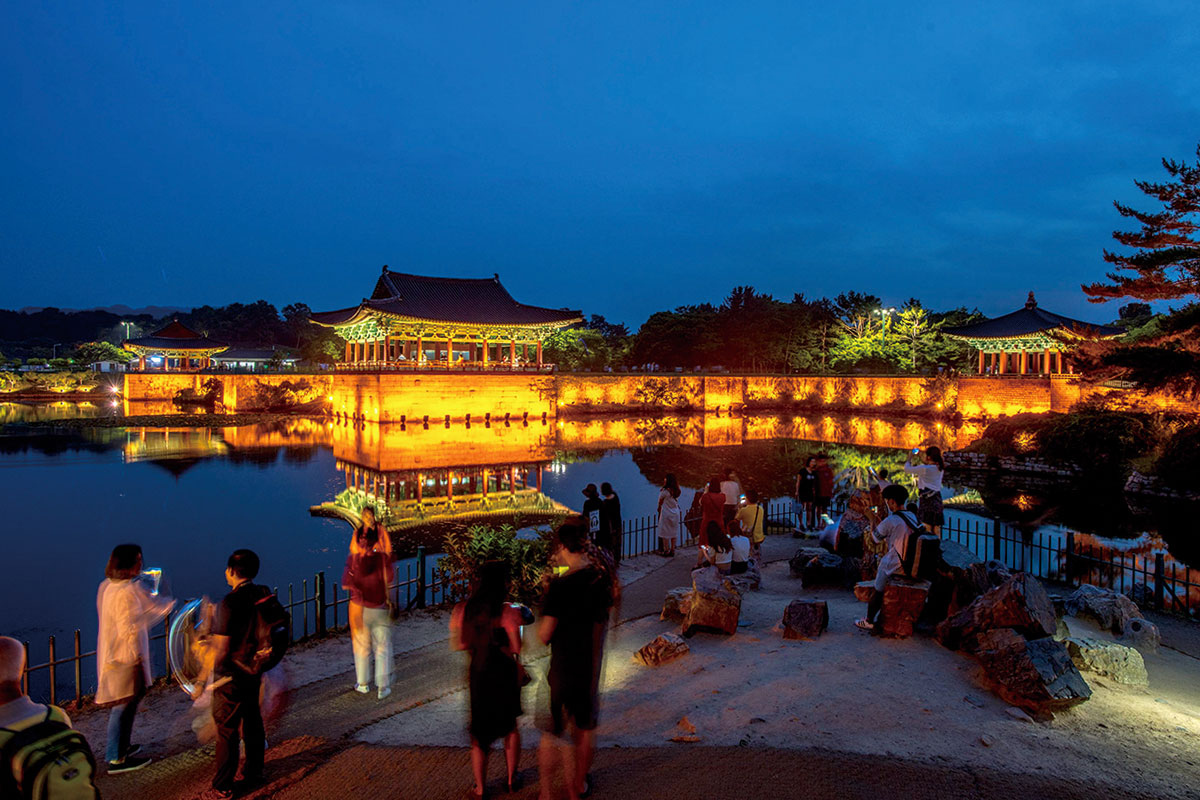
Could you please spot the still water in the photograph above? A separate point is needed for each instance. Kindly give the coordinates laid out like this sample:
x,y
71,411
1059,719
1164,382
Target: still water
x,y
191,496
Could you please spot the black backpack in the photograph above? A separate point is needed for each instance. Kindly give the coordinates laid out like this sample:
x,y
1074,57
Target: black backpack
x,y
48,760
268,637
922,551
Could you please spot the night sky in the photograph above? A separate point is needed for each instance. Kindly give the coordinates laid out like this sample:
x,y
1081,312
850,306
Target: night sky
x,y
616,157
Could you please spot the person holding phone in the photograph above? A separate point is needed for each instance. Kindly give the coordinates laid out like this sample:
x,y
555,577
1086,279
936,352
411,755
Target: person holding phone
x,y
929,487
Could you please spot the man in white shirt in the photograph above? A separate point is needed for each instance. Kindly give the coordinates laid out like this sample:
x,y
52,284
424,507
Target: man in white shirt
x,y
894,530
733,494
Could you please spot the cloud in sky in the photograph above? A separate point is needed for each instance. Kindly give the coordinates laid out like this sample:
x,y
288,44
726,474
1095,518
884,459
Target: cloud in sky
x,y
618,157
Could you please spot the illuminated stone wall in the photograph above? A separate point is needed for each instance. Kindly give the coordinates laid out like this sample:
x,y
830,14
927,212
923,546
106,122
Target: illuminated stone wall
x,y
393,397
152,392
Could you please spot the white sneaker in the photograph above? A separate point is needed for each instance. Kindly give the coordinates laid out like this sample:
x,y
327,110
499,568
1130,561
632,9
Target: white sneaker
x,y
384,691
362,688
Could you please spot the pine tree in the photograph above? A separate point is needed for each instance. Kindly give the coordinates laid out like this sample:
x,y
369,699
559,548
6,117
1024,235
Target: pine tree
x,y
1166,261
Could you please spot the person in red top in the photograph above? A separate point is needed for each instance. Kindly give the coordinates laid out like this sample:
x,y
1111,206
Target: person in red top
x,y
712,509
368,574
824,486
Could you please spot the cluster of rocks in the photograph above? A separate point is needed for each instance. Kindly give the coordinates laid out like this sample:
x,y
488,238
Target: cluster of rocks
x,y
1152,485
712,603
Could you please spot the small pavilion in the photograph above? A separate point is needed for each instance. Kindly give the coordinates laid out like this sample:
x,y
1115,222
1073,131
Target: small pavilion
x,y
423,321
1029,341
176,342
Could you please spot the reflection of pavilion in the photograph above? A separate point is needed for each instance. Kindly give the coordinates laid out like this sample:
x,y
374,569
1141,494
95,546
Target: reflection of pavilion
x,y
159,444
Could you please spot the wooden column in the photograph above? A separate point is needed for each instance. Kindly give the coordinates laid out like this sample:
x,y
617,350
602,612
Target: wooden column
x,y
993,364
387,349
1024,361
1003,362
539,359
486,480
982,362
450,485
348,346
141,363
420,486
512,352
420,354
512,480
450,352
485,352
539,475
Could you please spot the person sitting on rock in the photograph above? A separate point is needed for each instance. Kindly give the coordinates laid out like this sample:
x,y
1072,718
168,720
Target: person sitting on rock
x,y
893,531
848,538
719,550
740,543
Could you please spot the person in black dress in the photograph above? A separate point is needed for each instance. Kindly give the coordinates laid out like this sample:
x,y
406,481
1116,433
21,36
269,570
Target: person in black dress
x,y
574,621
490,631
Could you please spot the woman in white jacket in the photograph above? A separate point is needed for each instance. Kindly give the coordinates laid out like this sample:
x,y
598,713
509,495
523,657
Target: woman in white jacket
x,y
127,610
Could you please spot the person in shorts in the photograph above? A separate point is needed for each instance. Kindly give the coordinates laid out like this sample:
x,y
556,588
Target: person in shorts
x,y
574,621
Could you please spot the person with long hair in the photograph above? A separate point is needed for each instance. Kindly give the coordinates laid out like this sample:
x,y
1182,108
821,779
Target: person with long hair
x,y
669,519
369,572
490,631
929,487
127,609
712,510
719,550
806,496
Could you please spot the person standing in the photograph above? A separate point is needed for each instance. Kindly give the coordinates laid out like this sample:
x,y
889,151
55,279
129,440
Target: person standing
x,y
806,495
733,495
669,521
751,518
824,487
574,620
368,574
712,512
929,487
591,510
127,609
490,631
892,531
612,531
236,710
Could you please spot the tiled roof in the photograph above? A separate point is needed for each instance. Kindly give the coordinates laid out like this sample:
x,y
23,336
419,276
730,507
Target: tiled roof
x,y
482,301
1028,321
175,336
253,354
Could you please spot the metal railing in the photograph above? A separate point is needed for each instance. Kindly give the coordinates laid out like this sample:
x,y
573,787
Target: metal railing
x,y
1061,558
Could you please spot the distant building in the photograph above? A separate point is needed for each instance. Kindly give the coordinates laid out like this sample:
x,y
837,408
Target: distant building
x,y
174,347
107,366
1028,341
422,321
253,359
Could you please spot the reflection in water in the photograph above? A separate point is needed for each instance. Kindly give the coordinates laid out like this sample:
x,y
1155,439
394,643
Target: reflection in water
x,y
19,413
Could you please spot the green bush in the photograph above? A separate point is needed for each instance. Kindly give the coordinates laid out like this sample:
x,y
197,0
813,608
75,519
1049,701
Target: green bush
x,y
466,550
1091,439
1179,464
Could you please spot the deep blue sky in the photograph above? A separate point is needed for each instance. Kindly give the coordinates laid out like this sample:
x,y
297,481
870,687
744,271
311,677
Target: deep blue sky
x,y
598,155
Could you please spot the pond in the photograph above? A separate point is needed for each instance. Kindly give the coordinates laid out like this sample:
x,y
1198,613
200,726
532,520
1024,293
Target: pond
x,y
190,496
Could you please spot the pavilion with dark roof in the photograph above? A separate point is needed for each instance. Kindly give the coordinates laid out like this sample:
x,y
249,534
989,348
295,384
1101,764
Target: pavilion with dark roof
x,y
176,341
1029,341
418,320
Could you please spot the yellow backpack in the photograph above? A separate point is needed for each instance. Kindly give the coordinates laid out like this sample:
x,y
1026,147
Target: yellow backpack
x,y
46,759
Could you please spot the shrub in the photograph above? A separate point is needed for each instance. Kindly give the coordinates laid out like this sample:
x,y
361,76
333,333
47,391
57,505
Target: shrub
x,y
1091,439
466,550
1179,464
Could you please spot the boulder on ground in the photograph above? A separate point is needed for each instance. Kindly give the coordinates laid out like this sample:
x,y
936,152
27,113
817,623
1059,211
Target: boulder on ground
x,y
997,572
715,605
1122,664
1111,610
863,591
750,580
1142,634
817,567
667,647
1019,603
805,554
675,604
805,619
1037,675
961,577
903,601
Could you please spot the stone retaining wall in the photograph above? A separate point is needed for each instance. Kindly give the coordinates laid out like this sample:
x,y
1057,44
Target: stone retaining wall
x,y
979,462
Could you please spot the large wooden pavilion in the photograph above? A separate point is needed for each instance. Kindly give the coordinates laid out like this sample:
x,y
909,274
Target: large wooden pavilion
x,y
177,342
423,321
1028,341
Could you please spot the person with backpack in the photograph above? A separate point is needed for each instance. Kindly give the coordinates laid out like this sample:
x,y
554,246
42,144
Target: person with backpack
x,y
369,572
894,530
37,742
126,609
249,637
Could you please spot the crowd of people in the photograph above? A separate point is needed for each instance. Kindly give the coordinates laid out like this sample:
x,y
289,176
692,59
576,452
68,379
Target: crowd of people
x,y
241,638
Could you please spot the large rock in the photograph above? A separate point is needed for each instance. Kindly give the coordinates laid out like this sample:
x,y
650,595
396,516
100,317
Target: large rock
x,y
1019,603
903,601
863,591
1142,634
997,572
667,647
805,619
818,567
715,605
1110,610
750,580
1122,664
961,577
675,604
1037,675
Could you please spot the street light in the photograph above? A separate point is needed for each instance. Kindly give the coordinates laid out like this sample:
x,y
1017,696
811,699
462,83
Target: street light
x,y
126,324
54,350
885,314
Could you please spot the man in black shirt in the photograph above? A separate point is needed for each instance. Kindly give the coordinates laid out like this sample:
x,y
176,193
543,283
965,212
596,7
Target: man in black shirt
x,y
611,529
236,691
591,512
574,620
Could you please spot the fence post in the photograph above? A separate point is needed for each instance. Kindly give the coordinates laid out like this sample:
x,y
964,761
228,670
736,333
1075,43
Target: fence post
x,y
53,681
996,540
420,577
304,603
78,669
1070,556
167,645
1160,581
319,591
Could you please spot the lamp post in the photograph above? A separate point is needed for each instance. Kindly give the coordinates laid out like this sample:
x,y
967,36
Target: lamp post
x,y
126,323
54,350
884,315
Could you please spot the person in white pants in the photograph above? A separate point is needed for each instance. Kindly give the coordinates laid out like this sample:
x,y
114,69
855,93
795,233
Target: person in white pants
x,y
368,574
